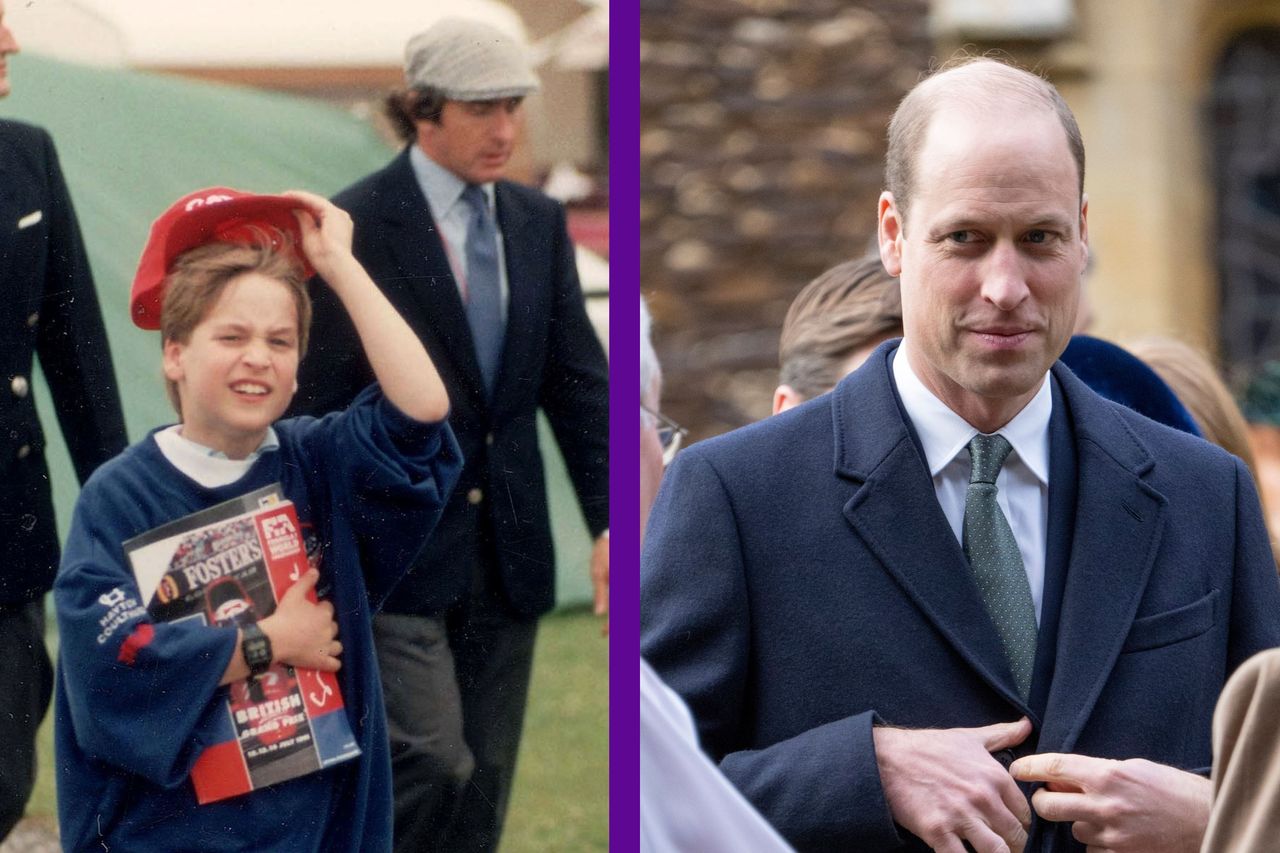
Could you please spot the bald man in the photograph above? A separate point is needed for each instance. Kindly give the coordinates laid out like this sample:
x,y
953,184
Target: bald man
x,y
875,602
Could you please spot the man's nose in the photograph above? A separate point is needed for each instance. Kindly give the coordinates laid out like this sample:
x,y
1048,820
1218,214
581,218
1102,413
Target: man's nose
x,y
505,125
8,42
1004,282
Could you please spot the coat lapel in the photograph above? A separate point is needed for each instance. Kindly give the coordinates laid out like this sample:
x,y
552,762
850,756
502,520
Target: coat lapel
x,y
897,516
428,283
1118,525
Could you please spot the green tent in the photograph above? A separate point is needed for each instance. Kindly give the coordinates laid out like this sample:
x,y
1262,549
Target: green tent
x,y
130,144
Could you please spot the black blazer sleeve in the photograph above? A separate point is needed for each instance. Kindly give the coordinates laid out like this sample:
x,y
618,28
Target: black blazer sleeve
x,y
71,340
575,386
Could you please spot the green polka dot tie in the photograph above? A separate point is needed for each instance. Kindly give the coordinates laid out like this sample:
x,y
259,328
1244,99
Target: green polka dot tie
x,y
996,562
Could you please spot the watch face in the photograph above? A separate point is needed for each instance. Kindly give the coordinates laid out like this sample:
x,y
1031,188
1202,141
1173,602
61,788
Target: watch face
x,y
256,649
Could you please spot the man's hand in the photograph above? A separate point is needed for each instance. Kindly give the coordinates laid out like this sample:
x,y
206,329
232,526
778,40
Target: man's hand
x,y
1130,806
600,578
944,786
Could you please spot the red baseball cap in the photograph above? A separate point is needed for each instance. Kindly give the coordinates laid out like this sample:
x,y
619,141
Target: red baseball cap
x,y
215,214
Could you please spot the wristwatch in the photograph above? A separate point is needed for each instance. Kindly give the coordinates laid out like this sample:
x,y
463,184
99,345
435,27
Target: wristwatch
x,y
256,648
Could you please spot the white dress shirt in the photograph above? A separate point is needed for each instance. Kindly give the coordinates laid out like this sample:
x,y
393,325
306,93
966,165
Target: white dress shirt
x,y
443,190
686,803
1022,487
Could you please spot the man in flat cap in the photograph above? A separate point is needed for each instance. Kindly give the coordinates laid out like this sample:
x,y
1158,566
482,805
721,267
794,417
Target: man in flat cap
x,y
483,270
50,310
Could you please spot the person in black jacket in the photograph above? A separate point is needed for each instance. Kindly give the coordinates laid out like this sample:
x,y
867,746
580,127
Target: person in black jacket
x,y
483,270
50,309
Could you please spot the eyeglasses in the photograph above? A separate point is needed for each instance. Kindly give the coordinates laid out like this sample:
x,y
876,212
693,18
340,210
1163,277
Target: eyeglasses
x,y
670,434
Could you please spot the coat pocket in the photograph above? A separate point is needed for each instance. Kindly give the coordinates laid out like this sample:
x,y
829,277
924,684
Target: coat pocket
x,y
1173,626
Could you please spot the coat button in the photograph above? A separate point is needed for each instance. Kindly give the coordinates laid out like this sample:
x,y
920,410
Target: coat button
x,y
33,319
19,386
488,439
474,496
24,451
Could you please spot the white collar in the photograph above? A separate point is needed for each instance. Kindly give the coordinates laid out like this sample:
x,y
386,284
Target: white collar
x,y
441,187
943,433
208,467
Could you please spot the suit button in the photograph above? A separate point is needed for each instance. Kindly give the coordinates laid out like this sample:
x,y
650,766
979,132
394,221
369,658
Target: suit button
x,y
19,386
474,496
24,451
488,439
33,319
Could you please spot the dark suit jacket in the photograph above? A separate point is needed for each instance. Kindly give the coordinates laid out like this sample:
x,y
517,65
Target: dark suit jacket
x,y
49,308
552,360
800,581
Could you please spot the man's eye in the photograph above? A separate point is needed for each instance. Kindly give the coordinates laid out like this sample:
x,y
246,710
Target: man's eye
x,y
281,342
229,338
961,237
1037,236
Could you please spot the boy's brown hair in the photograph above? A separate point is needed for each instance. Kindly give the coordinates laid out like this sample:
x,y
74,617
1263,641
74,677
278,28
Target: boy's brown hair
x,y
200,276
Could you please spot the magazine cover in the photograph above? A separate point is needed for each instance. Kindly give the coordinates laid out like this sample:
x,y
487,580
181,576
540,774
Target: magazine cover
x,y
229,564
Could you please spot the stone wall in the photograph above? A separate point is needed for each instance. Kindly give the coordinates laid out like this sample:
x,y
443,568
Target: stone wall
x,y
761,147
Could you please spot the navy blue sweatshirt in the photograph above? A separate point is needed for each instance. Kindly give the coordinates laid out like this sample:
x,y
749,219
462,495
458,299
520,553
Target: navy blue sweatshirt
x,y
368,484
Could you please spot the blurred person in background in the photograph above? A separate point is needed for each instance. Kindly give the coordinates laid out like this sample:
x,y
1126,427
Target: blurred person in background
x,y
1196,382
50,311
833,325
483,270
685,802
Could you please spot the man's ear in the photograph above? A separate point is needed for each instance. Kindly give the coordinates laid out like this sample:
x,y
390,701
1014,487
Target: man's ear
x,y
785,397
172,361
1084,228
889,234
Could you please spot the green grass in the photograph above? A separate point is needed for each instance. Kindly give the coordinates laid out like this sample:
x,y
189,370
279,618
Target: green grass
x,y
561,796
560,800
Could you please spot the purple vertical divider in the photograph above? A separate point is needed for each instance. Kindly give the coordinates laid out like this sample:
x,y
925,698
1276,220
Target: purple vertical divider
x,y
624,424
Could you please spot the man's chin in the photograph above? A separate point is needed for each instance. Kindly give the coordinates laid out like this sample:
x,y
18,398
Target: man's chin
x,y
1010,384
489,170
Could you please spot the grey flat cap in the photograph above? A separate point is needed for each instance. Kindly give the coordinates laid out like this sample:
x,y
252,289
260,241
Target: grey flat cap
x,y
469,61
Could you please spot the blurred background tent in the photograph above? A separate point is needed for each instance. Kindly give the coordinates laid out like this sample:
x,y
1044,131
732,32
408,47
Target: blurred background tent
x,y
131,143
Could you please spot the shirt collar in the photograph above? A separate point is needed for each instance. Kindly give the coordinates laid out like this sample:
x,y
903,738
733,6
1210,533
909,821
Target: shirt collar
x,y
943,433
270,441
441,187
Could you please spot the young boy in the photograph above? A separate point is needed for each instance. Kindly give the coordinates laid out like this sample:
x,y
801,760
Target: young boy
x,y
222,279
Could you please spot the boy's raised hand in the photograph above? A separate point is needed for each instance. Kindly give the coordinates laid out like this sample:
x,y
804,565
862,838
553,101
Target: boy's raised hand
x,y
326,233
399,360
